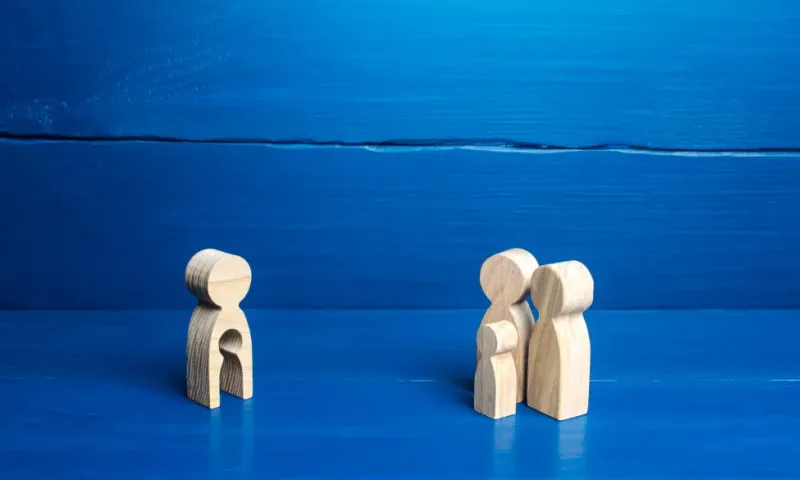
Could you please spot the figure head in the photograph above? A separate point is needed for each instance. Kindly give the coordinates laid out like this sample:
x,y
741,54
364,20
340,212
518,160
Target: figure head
x,y
218,278
506,276
562,288
496,338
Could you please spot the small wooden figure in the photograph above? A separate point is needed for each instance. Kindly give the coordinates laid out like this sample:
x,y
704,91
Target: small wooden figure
x,y
219,350
505,279
559,362
496,376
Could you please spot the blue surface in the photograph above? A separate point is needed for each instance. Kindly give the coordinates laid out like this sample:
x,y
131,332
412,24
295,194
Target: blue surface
x,y
387,394
105,225
668,73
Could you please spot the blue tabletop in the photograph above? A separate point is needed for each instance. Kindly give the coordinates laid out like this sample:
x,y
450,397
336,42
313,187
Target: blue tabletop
x,y
388,394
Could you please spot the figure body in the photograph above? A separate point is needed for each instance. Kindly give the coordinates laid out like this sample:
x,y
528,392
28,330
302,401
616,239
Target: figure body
x,y
496,376
219,350
560,351
505,280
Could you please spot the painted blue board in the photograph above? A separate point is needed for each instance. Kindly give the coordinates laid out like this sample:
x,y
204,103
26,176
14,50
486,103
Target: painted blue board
x,y
720,74
387,394
112,225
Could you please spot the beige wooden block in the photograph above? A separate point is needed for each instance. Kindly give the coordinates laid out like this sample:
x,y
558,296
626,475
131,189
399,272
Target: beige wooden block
x,y
560,351
496,376
505,277
219,349
521,316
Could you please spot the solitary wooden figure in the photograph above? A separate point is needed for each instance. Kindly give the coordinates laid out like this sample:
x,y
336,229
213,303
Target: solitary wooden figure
x,y
496,375
219,350
559,360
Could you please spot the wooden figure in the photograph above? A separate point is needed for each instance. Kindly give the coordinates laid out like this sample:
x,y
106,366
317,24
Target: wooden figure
x,y
559,362
219,350
496,376
505,280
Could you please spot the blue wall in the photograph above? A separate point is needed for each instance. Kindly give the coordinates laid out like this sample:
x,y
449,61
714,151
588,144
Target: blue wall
x,y
95,218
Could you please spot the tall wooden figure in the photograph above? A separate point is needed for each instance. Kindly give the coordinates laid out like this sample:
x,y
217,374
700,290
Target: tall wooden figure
x,y
496,376
559,362
505,280
219,350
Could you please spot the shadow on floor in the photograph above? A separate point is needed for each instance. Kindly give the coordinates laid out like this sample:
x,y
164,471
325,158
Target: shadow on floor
x,y
150,370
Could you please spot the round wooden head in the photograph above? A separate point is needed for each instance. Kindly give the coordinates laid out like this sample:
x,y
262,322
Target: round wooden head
x,y
562,288
506,276
218,278
496,338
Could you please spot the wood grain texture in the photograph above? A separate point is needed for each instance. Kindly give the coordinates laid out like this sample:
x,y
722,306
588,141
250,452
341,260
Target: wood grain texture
x,y
521,316
219,347
80,219
101,385
505,279
495,388
667,73
559,363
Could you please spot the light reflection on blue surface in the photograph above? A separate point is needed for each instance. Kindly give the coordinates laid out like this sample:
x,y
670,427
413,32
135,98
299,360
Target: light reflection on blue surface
x,y
247,435
674,416
215,439
231,449
571,436
503,447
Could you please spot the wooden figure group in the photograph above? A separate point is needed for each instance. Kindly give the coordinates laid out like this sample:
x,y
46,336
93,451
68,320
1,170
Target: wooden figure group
x,y
544,363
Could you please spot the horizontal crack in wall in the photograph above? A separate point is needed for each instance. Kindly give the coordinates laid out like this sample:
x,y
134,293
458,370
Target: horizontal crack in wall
x,y
447,143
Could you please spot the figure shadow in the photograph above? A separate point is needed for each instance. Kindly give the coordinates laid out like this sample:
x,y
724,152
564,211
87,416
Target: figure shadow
x,y
167,373
466,384
452,376
463,391
156,371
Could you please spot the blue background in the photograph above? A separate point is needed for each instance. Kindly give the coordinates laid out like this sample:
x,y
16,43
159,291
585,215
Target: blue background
x,y
365,156
332,143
